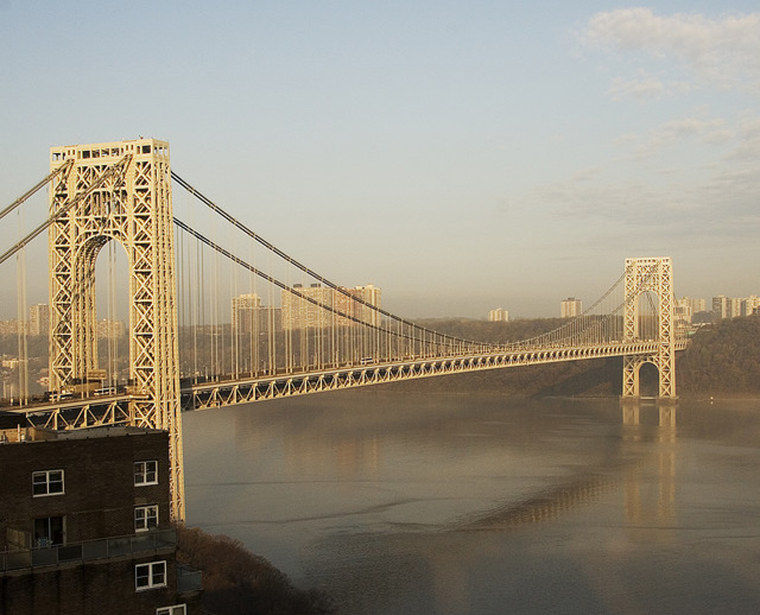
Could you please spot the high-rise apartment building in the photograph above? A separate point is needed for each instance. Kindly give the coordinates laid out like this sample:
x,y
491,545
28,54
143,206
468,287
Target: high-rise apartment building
x,y
687,307
245,309
498,315
305,312
720,307
249,316
735,307
697,305
571,307
683,310
751,305
39,319
370,294
727,307
340,309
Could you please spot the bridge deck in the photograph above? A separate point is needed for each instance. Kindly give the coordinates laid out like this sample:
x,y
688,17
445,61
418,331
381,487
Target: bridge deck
x,y
85,412
230,392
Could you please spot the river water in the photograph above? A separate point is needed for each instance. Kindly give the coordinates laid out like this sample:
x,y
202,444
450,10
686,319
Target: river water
x,y
445,504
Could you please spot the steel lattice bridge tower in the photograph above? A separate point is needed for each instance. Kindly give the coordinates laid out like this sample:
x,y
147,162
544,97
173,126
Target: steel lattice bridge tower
x,y
122,191
650,275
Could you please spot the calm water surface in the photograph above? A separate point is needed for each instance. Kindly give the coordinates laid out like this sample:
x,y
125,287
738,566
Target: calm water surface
x,y
455,504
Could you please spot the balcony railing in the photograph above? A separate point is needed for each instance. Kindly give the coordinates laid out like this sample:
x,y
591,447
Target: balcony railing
x,y
188,579
88,550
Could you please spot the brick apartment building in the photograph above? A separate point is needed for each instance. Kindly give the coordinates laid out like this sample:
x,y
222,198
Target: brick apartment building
x,y
84,524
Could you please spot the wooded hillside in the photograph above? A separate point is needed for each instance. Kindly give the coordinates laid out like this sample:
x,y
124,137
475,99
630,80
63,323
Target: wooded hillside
x,y
722,359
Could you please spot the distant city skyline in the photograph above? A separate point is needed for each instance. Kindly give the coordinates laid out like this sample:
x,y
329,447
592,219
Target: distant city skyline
x,y
245,305
461,157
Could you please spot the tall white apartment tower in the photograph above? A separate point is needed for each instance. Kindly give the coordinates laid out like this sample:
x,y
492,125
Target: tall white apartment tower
x,y
571,307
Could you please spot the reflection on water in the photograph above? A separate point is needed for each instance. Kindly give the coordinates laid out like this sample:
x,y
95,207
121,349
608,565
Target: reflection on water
x,y
427,504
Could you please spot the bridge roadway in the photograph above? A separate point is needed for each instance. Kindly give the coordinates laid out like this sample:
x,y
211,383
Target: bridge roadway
x,y
93,411
225,393
79,412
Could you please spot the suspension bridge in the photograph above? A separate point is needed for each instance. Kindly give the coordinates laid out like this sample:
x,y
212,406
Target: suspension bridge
x,y
219,316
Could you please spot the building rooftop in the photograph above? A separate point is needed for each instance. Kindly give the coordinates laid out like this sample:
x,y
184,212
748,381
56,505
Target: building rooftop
x,y
14,429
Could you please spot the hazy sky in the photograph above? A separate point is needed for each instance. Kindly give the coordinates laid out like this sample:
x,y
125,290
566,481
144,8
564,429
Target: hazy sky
x,y
461,155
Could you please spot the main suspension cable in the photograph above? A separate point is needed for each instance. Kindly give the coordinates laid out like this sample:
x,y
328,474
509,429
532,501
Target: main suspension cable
x,y
33,190
99,181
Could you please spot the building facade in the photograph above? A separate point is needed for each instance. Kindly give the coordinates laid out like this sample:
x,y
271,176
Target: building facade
x,y
751,305
250,317
39,319
320,307
84,521
498,315
370,294
570,307
726,307
245,308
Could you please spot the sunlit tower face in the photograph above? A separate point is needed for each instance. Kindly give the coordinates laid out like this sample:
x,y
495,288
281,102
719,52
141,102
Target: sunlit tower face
x,y
122,192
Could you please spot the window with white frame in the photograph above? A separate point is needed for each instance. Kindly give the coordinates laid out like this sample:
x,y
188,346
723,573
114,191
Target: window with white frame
x,y
47,482
146,517
177,609
150,575
146,472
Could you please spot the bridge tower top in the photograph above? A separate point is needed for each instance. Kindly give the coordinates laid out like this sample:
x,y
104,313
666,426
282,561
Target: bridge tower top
x,y
104,153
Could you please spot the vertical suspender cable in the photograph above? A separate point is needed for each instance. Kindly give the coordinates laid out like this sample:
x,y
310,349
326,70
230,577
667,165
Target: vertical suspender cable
x,y
23,375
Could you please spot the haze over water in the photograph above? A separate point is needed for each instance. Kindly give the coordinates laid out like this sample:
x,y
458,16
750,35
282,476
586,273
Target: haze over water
x,y
399,503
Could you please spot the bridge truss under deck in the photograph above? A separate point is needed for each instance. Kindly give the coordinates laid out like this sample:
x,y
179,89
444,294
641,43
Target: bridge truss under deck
x,y
219,394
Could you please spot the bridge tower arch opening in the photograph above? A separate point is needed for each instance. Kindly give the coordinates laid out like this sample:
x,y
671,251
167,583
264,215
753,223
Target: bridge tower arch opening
x,y
647,280
112,301
649,379
121,191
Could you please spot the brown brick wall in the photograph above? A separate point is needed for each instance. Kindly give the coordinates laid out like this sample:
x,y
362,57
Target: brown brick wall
x,y
91,589
100,494
98,503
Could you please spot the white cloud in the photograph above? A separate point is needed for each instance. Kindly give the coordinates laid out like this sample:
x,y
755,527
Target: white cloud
x,y
723,51
724,204
645,86
748,133
676,131
678,199
673,133
641,88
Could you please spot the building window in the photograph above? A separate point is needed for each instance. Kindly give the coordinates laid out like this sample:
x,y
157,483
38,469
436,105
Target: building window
x,y
177,609
47,482
146,517
146,472
150,575
48,532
